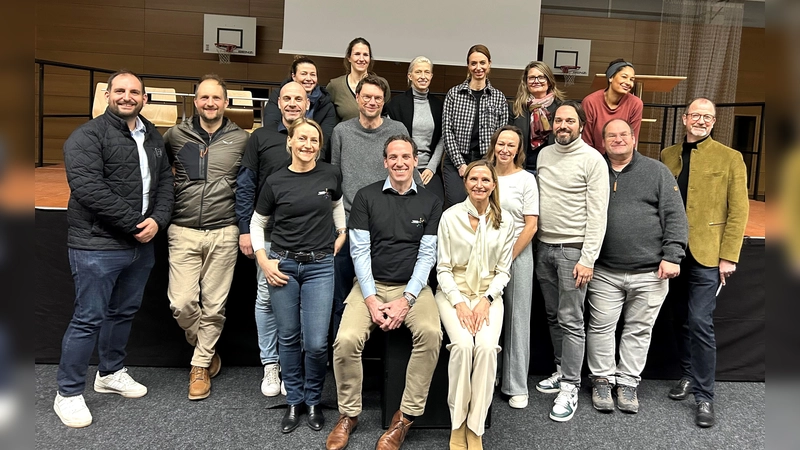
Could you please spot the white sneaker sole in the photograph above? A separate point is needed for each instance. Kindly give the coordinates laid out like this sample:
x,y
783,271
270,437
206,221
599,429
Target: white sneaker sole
x,y
562,419
518,404
554,390
73,423
128,394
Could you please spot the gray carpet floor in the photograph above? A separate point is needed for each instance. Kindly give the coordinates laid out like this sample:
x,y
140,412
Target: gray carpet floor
x,y
237,416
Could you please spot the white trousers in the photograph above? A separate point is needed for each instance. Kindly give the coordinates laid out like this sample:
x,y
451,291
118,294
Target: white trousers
x,y
473,364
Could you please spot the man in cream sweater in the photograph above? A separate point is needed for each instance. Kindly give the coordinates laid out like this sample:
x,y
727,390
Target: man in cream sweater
x,y
573,191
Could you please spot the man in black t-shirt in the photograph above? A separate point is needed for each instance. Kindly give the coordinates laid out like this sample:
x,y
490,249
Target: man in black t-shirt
x,y
265,154
393,226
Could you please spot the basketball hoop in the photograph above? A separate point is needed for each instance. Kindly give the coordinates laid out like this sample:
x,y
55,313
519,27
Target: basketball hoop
x,y
225,51
569,73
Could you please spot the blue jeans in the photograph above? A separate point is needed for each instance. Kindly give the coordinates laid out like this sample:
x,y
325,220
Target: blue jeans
x,y
109,285
694,297
303,312
344,276
265,319
564,305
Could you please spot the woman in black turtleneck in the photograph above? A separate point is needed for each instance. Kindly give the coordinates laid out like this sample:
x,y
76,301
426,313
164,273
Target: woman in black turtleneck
x,y
421,113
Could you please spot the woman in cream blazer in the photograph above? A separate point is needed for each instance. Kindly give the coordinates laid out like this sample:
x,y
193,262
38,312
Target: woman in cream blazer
x,y
474,260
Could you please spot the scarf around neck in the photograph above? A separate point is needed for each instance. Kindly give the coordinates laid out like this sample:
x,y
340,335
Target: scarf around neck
x,y
478,264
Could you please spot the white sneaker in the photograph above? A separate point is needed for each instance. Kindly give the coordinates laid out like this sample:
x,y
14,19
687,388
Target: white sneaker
x,y
518,401
271,383
283,389
72,411
565,404
120,383
550,385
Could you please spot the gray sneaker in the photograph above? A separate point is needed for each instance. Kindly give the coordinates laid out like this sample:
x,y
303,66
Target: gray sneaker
x,y
601,395
627,400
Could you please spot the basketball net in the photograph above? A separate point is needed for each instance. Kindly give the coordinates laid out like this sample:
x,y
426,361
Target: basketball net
x,y
224,51
569,73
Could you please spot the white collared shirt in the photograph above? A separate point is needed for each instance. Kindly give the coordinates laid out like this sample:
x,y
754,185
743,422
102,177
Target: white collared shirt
x,y
138,134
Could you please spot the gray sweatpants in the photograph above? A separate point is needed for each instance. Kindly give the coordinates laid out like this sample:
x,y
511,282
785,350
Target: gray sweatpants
x,y
517,325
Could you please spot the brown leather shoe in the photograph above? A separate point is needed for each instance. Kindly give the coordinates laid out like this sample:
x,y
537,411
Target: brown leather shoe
x,y
396,434
216,365
340,434
199,383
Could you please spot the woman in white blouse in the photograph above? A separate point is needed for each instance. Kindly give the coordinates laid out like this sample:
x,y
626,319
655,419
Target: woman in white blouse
x,y
520,198
474,260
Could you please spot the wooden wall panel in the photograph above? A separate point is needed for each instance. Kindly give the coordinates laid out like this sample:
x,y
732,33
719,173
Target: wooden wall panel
x,y
98,17
90,40
164,37
228,7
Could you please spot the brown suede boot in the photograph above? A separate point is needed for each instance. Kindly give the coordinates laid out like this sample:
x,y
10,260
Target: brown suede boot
x,y
474,442
458,437
396,434
199,383
340,435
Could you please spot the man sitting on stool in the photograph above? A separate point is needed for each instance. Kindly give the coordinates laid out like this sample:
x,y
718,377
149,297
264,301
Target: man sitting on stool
x,y
393,226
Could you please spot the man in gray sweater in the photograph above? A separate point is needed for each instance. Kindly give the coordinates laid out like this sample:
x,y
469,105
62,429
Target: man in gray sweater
x,y
573,199
646,237
357,148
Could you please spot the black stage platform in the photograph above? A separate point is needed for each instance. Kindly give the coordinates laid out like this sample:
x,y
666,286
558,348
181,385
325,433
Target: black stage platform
x,y
156,340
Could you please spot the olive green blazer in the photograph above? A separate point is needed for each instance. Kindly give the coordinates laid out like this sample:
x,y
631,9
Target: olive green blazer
x,y
717,203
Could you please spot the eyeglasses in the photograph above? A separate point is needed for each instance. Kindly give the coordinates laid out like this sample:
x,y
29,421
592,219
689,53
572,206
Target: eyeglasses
x,y
538,79
696,117
369,98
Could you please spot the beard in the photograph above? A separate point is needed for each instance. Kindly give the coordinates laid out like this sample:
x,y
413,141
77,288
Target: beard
x,y
114,107
568,139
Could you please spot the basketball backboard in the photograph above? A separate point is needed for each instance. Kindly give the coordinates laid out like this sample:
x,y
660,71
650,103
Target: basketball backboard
x,y
235,30
560,52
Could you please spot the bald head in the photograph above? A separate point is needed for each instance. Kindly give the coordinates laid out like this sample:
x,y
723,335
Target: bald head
x,y
292,102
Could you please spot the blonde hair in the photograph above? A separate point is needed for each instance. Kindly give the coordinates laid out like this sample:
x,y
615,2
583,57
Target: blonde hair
x,y
521,100
494,214
296,124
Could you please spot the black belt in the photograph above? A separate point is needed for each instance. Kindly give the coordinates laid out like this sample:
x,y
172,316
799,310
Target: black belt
x,y
303,257
575,245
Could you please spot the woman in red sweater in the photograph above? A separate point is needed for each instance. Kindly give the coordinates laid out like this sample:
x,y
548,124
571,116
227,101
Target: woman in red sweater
x,y
614,102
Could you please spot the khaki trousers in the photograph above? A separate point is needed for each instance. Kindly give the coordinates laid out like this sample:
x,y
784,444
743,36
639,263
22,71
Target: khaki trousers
x,y
423,322
201,264
473,364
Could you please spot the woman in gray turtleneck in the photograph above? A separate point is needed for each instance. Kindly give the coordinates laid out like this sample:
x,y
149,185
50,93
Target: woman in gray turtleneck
x,y
421,113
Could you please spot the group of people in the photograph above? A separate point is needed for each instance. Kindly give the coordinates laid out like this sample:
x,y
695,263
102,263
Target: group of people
x,y
362,212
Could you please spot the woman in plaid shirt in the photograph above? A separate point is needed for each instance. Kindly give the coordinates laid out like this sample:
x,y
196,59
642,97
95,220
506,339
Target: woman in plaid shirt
x,y
473,110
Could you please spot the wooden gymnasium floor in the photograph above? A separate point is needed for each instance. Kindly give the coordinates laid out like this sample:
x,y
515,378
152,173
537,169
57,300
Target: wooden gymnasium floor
x,y
52,191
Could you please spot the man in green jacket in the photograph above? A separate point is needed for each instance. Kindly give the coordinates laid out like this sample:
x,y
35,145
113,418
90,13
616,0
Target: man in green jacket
x,y
206,152
712,179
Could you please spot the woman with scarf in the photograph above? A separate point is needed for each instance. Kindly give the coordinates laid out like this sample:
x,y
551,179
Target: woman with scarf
x,y
614,102
536,102
474,262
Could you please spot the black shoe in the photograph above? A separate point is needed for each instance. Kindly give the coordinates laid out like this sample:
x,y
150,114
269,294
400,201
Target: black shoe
x,y
704,417
291,419
681,390
315,418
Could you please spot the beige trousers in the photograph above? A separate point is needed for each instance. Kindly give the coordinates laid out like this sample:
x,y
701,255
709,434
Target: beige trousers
x,y
473,364
423,322
201,264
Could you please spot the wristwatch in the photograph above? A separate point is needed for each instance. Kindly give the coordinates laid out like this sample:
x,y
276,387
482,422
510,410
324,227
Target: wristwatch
x,y
409,298
342,231
490,298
